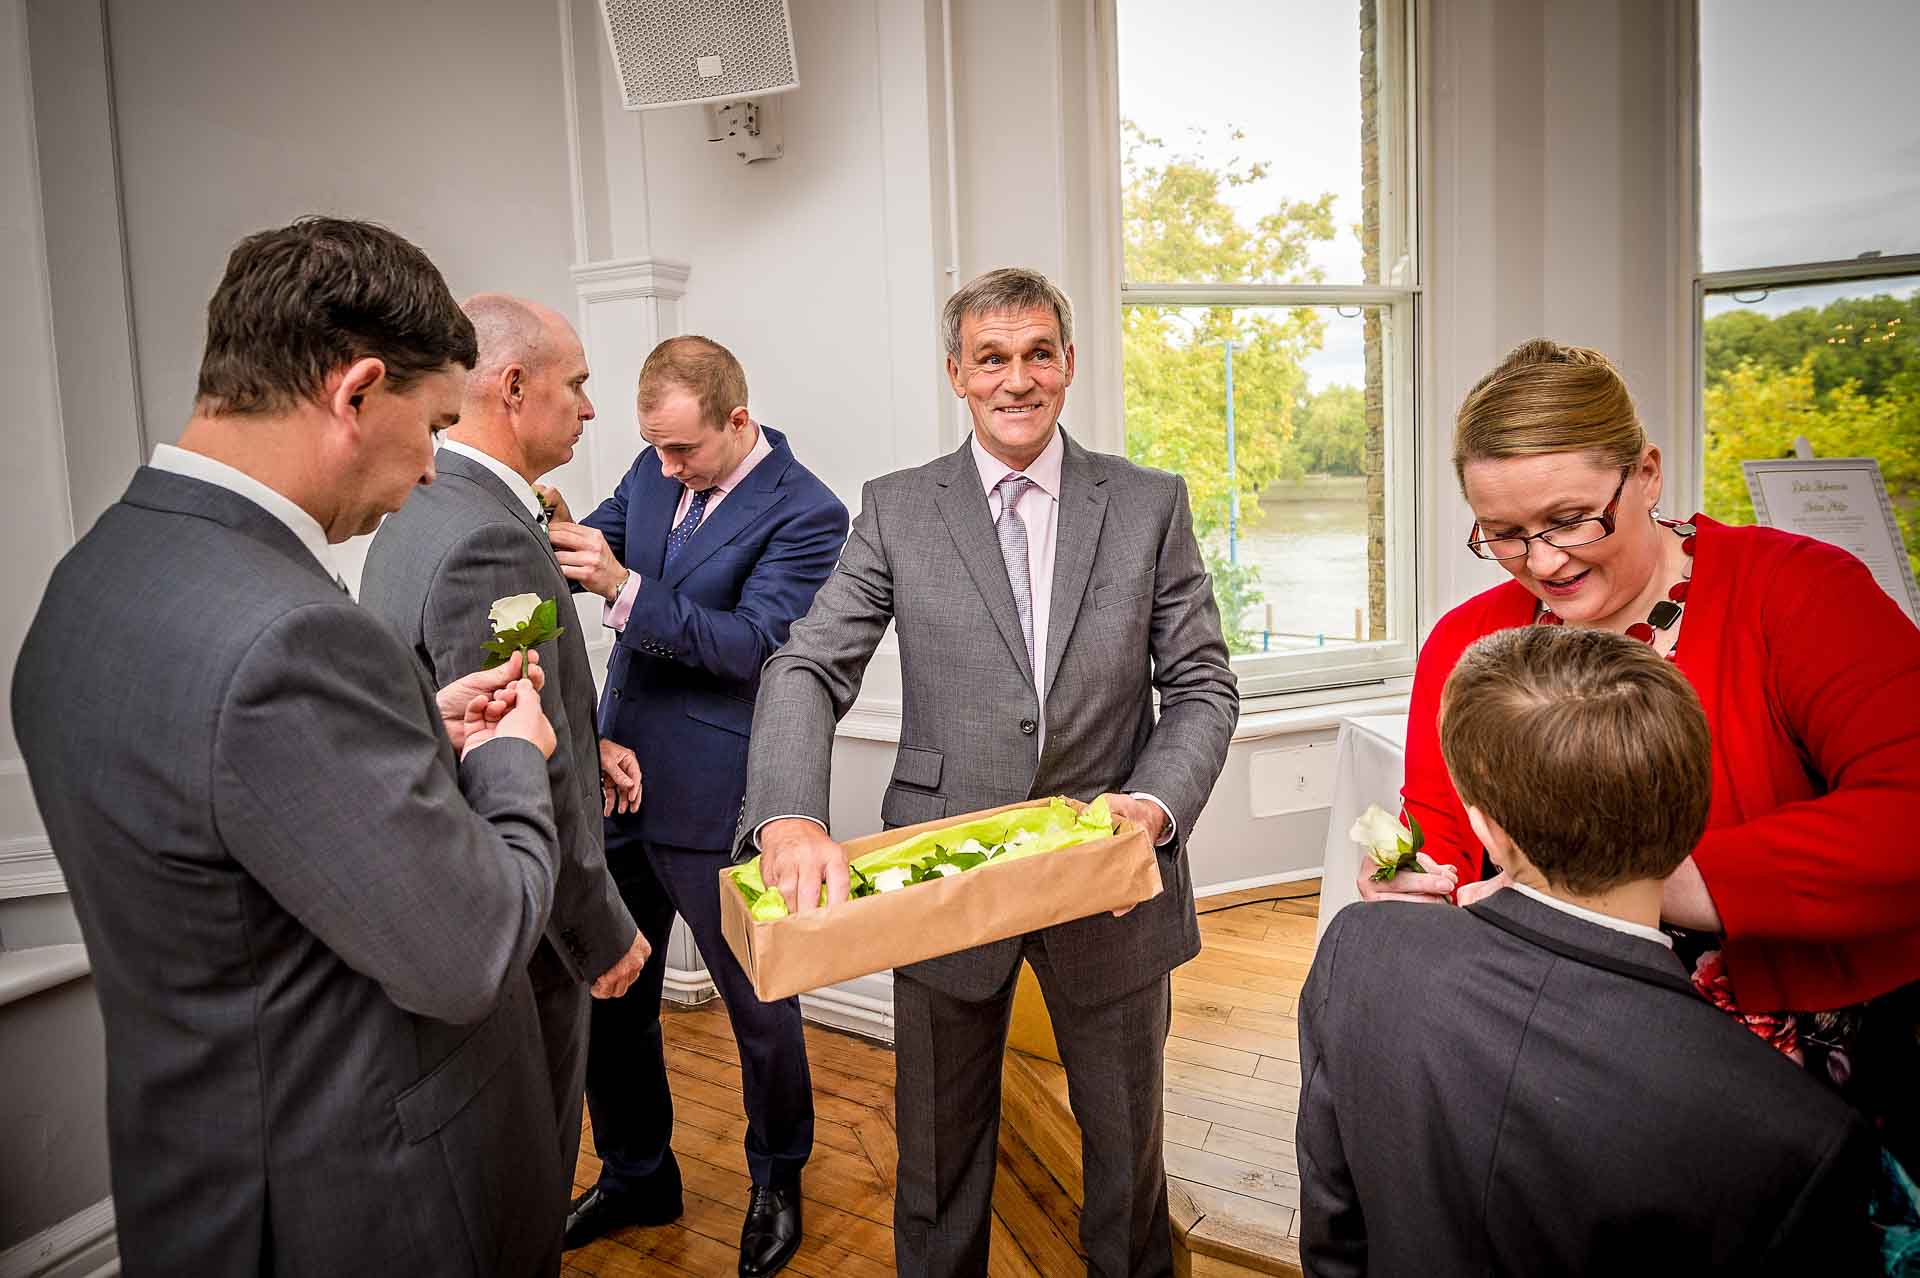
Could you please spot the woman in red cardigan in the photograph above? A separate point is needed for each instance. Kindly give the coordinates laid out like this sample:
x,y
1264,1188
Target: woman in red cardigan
x,y
1800,908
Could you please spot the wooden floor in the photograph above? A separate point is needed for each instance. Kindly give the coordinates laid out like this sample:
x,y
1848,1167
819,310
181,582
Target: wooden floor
x,y
1233,1076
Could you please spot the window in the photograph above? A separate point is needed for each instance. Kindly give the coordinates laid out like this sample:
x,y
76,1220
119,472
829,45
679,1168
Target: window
x,y
1267,316
1809,284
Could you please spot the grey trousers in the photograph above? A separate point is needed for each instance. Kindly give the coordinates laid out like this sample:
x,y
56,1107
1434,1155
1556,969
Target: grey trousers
x,y
947,1109
563,1005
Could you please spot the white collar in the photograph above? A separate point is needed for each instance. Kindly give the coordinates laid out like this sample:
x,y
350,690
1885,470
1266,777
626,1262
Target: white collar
x,y
508,475
1640,930
182,461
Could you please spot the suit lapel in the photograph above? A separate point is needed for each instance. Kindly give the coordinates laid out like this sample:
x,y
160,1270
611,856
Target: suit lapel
x,y
757,493
963,504
491,488
1083,511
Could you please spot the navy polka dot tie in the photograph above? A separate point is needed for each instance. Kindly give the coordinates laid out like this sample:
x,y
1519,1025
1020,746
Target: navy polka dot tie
x,y
683,531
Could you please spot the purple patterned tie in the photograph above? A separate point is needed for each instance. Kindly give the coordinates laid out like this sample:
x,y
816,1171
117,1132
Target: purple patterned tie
x,y
683,531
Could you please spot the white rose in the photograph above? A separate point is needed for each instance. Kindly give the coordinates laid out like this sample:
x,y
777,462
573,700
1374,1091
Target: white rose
x,y
1378,832
511,613
888,880
972,845
945,868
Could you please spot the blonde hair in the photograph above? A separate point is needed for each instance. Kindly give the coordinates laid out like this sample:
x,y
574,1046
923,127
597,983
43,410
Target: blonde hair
x,y
700,366
1549,398
1588,748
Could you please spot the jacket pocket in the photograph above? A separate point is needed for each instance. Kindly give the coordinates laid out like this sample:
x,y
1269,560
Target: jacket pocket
x,y
913,765
430,1104
910,807
1120,591
722,712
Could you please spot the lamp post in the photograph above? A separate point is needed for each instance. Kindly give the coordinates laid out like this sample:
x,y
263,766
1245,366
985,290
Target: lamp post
x,y
1233,483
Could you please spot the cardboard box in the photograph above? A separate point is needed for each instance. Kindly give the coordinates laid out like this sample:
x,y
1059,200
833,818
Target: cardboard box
x,y
991,902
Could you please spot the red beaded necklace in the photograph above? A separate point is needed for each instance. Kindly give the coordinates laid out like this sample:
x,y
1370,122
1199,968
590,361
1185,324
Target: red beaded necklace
x,y
1665,614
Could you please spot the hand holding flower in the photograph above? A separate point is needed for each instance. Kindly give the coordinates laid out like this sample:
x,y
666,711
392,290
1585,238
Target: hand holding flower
x,y
1393,856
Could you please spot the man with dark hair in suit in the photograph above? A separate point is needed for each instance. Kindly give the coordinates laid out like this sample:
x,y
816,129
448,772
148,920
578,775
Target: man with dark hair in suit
x,y
435,569
710,548
1043,593
308,885
1632,1127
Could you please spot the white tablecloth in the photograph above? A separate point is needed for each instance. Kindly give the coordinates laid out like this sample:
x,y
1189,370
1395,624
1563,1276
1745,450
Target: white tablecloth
x,y
1369,765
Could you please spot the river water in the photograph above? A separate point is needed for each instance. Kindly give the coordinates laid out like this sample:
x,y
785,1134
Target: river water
x,y
1311,548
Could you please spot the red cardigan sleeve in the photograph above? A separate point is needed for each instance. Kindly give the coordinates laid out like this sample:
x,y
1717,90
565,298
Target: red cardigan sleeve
x,y
1427,795
1839,667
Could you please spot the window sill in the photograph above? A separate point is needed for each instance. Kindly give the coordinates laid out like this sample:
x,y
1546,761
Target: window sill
x,y
1260,717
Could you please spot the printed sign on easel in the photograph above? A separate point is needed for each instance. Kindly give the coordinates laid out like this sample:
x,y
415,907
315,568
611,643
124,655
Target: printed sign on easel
x,y
1842,501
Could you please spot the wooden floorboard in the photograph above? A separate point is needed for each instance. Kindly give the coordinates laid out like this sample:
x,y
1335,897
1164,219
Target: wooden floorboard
x,y
1233,1080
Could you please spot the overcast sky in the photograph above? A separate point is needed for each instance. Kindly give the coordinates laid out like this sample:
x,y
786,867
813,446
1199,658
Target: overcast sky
x,y
1809,138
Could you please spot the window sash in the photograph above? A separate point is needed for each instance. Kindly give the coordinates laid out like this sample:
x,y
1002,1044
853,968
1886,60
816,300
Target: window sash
x,y
1348,669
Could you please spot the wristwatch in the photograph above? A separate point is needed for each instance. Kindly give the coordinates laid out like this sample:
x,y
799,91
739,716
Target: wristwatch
x,y
625,577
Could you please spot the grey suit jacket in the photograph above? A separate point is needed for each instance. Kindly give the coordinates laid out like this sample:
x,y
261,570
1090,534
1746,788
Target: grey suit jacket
x,y
1507,1089
434,569
308,922
1132,612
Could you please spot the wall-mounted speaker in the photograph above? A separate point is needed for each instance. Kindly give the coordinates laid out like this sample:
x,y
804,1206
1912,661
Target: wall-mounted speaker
x,y
679,52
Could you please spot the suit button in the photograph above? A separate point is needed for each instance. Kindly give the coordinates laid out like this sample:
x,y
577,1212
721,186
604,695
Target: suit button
x,y
1028,727
614,693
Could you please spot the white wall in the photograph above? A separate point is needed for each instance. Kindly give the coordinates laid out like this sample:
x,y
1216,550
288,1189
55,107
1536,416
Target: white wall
x,y
443,121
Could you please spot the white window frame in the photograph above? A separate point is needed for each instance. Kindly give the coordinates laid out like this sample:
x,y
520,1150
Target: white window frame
x,y
1360,669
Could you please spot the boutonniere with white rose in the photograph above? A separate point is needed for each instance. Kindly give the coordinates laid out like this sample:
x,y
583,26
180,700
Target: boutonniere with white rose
x,y
520,622
1391,846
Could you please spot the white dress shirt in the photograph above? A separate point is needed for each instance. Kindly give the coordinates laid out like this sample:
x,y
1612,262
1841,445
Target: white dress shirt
x,y
1640,930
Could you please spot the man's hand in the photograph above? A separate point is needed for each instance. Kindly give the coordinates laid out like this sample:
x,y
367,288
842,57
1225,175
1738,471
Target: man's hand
x,y
514,712
1143,814
586,557
556,504
619,779
1433,883
796,857
457,697
617,979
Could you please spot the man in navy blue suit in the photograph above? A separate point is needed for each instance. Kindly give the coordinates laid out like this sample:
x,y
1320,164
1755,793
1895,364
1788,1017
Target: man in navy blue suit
x,y
710,549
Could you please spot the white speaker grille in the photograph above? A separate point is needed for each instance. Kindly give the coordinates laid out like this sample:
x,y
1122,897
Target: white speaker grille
x,y
660,46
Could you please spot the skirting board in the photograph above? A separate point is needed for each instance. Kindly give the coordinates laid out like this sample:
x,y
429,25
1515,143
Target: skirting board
x,y
1258,880
81,1246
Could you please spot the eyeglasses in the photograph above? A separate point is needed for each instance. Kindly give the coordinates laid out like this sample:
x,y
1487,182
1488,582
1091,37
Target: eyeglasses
x,y
1577,532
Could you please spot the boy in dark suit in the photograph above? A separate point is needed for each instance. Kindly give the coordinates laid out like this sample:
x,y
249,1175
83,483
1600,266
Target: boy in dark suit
x,y
1531,1084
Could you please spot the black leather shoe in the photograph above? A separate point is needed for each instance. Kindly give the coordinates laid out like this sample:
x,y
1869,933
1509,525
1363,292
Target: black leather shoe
x,y
597,1212
771,1233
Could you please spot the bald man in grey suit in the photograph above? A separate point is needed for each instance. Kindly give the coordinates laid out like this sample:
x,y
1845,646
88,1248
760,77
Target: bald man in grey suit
x,y
435,568
307,903
1042,593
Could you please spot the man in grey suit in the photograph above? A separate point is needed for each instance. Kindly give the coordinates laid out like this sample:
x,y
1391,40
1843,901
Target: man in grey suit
x,y
308,886
1042,594
436,567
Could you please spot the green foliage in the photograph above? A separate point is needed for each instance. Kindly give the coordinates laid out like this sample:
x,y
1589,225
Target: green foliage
x,y
1846,375
1755,410
1236,588
1330,432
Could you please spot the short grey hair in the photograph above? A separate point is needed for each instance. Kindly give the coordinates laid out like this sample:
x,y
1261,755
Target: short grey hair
x,y
508,331
1011,288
